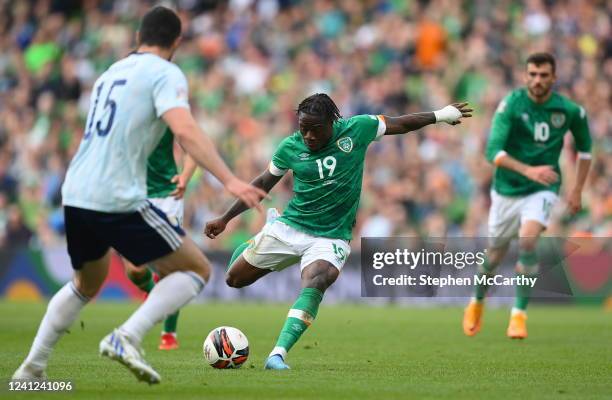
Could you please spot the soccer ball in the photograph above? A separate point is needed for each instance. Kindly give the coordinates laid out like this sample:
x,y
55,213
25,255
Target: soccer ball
x,y
226,347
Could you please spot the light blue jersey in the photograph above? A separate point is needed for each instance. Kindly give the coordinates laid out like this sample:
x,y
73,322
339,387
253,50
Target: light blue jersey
x,y
124,125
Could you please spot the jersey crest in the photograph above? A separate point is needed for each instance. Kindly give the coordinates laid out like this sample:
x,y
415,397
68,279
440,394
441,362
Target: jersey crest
x,y
557,119
345,144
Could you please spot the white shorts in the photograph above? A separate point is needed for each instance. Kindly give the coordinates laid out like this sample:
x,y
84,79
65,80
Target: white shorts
x,y
172,207
507,214
279,246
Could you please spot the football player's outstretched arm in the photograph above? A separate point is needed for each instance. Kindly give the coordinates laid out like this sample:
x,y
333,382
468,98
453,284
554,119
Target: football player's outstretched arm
x,y
265,181
451,114
203,150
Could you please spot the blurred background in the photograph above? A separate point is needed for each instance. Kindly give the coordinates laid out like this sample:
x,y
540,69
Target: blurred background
x,y
249,63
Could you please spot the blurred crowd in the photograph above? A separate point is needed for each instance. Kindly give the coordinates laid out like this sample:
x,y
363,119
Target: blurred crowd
x,y
250,62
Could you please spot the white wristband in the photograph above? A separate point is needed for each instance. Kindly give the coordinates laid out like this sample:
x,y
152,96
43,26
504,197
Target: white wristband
x,y
448,114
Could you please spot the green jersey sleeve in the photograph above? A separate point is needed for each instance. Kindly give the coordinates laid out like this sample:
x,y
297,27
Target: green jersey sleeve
x,y
579,126
280,159
368,127
500,130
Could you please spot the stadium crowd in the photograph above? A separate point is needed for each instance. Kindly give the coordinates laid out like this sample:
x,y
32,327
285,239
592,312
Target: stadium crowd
x,y
249,63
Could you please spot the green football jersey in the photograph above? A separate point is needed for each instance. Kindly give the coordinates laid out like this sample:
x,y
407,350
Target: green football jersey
x,y
327,182
161,167
533,134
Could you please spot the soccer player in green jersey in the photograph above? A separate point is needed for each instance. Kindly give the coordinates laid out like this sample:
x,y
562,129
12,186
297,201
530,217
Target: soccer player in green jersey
x,y
326,156
525,143
165,189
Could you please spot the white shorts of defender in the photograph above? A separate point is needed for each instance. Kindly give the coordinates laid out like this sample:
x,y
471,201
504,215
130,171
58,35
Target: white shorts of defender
x,y
279,246
507,214
173,208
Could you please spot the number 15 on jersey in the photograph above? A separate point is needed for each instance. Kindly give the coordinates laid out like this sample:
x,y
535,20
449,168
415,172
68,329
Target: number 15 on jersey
x,y
110,104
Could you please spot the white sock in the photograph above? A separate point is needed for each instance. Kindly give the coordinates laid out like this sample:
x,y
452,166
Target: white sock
x,y
62,310
277,350
517,311
168,295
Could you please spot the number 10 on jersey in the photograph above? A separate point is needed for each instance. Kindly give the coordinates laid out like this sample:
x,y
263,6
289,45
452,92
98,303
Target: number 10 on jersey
x,y
329,163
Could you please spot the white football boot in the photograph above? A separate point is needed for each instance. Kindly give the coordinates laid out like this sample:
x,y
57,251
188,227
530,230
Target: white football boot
x,y
117,346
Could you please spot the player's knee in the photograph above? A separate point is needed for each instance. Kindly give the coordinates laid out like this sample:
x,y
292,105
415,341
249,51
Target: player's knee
x,y
320,277
528,243
200,264
203,269
495,257
234,281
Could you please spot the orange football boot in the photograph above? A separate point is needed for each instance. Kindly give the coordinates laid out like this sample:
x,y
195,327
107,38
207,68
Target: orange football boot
x,y
517,329
472,318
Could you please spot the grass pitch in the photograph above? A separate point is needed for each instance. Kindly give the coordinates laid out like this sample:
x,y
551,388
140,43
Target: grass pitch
x,y
354,352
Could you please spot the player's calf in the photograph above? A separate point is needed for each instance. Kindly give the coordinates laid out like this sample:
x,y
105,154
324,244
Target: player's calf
x,y
527,264
316,278
187,271
62,310
142,276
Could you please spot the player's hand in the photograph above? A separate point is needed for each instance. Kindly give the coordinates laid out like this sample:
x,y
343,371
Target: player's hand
x,y
250,195
453,113
181,185
542,174
574,202
215,227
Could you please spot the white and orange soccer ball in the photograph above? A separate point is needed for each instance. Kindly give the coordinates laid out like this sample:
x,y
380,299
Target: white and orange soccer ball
x,y
226,347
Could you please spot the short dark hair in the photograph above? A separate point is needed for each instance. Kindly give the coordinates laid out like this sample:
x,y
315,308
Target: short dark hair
x,y
542,58
160,26
320,104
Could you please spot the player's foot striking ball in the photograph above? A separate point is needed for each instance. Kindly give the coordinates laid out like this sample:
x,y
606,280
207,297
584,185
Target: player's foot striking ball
x,y
275,361
326,156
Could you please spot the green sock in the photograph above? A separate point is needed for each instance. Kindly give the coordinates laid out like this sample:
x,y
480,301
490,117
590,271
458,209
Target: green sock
x,y
145,283
170,323
528,266
237,254
481,288
300,316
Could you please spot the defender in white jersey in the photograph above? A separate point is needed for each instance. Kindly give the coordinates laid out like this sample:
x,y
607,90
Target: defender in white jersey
x,y
105,198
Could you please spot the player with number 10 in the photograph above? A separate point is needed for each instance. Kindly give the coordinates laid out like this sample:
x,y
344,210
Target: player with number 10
x,y
526,139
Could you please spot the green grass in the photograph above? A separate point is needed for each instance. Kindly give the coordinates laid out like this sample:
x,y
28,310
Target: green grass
x,y
351,352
